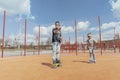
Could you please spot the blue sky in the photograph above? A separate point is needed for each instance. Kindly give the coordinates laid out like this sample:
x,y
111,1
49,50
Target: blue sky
x,y
46,12
66,11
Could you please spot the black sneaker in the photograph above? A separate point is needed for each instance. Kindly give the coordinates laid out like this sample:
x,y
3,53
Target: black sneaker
x,y
91,61
59,64
94,61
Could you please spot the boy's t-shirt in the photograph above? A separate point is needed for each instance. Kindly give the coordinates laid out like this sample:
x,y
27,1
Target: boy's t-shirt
x,y
91,43
56,37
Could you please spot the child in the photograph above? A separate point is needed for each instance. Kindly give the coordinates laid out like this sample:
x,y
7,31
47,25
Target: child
x,y
91,45
56,41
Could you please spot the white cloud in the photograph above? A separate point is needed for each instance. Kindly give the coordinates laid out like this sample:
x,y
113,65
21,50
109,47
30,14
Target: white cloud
x,y
83,25
67,29
16,7
110,25
46,31
108,30
20,38
11,37
93,29
80,39
115,4
108,35
86,25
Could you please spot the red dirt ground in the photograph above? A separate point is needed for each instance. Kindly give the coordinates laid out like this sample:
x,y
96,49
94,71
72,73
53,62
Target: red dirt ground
x,y
73,68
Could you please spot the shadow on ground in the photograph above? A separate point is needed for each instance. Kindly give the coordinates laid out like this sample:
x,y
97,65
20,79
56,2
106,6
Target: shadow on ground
x,y
80,61
47,64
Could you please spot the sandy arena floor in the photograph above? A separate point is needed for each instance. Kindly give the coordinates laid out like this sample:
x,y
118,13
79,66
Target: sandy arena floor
x,y
73,68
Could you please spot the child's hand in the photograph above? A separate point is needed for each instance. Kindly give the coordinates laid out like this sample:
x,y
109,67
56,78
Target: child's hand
x,y
87,48
60,39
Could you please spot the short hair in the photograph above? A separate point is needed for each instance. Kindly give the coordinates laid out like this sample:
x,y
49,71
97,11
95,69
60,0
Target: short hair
x,y
57,22
89,34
